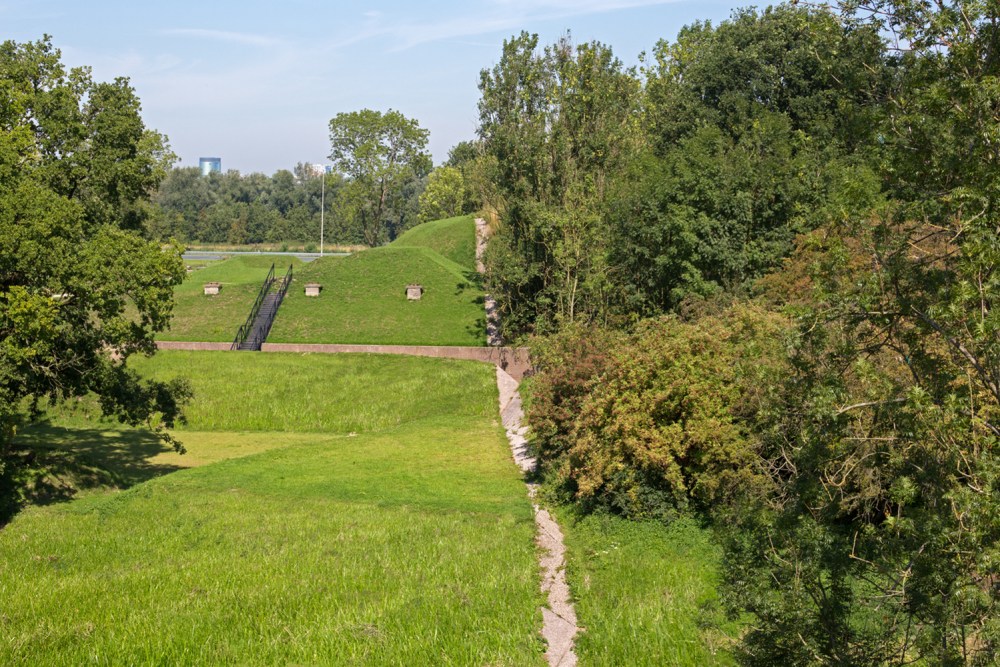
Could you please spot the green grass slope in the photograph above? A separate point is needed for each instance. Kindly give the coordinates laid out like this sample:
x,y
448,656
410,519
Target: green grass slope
x,y
216,318
452,238
364,301
322,393
408,542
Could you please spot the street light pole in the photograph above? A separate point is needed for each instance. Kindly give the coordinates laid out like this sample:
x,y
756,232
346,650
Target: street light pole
x,y
322,210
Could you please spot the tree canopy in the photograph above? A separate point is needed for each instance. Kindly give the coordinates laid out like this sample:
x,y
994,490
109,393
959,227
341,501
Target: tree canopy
x,y
378,153
80,289
758,278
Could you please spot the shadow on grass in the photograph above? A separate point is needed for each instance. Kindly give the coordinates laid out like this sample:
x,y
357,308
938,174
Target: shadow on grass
x,y
52,464
478,328
475,279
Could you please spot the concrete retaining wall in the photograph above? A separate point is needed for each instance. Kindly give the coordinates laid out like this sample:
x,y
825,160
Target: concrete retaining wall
x,y
188,345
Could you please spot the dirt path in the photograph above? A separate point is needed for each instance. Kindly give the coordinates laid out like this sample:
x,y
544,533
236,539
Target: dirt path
x,y
559,625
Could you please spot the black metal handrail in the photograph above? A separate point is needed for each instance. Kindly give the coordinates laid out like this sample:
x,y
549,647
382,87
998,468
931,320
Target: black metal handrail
x,y
247,326
260,332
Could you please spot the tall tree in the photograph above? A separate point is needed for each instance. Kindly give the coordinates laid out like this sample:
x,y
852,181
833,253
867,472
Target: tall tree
x,y
444,195
879,543
80,289
378,153
555,125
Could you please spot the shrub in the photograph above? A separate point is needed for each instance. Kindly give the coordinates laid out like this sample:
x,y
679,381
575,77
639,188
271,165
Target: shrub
x,y
669,420
567,363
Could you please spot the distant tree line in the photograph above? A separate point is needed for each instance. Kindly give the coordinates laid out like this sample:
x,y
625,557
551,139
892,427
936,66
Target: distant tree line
x,y
369,199
758,275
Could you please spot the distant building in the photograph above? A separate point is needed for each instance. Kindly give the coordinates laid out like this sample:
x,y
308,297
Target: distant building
x,y
210,164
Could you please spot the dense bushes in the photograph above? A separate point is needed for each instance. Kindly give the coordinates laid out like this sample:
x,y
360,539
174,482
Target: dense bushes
x,y
660,421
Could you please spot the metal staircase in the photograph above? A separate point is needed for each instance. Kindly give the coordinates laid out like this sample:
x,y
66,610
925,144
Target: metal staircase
x,y
254,331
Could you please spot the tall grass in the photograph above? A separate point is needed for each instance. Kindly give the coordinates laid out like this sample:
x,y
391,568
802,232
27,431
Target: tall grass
x,y
645,592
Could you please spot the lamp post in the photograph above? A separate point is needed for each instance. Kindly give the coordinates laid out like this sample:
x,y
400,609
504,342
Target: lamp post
x,y
322,209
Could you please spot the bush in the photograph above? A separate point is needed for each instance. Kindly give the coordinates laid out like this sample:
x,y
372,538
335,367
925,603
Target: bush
x,y
650,425
568,363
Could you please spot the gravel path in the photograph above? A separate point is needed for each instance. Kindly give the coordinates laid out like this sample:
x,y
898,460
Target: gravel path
x,y
492,316
559,625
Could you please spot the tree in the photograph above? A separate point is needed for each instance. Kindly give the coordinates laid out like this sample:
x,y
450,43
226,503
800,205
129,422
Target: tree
x,y
444,195
464,156
758,128
377,152
80,290
555,125
879,543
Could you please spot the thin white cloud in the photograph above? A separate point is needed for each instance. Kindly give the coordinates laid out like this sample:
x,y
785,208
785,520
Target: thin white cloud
x,y
575,7
226,36
502,15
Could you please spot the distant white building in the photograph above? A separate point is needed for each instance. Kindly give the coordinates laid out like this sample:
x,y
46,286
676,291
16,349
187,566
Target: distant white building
x,y
209,164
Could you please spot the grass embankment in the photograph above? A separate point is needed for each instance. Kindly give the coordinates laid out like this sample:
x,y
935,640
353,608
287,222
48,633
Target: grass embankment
x,y
645,592
396,533
452,238
364,296
217,318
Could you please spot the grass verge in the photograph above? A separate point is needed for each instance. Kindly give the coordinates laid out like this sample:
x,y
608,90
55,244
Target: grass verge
x,y
645,592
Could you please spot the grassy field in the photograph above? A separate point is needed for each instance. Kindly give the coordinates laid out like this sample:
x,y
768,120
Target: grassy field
x,y
281,246
373,539
364,299
217,318
645,592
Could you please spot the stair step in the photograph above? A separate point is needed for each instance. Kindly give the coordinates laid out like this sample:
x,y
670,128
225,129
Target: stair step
x,y
260,327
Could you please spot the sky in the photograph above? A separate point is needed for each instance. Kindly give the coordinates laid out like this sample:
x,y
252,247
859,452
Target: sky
x,y
256,82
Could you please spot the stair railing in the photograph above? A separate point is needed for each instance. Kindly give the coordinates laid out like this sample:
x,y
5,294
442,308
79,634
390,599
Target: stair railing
x,y
260,333
247,327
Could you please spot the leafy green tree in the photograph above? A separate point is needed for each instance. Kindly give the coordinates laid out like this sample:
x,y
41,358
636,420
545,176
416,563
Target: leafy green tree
x,y
444,195
879,542
377,152
555,125
761,128
80,289
464,156
803,63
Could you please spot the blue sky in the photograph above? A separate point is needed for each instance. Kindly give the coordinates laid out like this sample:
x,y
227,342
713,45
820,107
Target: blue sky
x,y
256,82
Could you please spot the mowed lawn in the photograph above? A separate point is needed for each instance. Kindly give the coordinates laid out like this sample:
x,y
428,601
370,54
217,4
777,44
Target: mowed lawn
x,y
217,318
392,528
364,301
452,238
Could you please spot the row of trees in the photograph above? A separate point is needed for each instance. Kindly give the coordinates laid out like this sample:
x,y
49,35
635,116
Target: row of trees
x,y
384,183
759,274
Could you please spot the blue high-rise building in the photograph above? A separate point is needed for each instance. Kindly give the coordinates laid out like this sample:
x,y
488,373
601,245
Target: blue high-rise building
x,y
210,164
